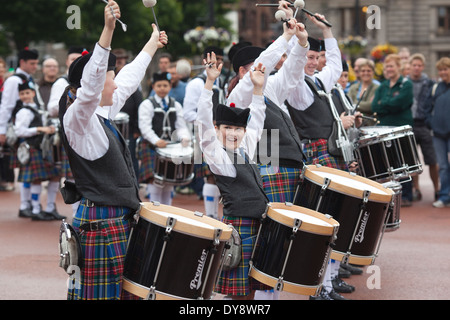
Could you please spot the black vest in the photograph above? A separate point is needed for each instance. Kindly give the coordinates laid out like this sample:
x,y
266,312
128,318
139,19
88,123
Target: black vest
x,y
244,195
289,146
109,180
35,141
317,120
164,121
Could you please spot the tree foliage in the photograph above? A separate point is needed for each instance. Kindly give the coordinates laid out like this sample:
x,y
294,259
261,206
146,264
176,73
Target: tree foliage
x,y
25,21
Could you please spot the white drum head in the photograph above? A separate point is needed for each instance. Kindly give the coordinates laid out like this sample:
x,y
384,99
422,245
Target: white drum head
x,y
175,150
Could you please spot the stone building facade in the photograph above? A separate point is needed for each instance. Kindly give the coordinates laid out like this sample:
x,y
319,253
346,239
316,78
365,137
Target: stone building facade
x,y
420,26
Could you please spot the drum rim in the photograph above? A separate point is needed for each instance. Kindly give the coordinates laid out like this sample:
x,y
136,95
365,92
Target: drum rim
x,y
309,172
142,291
288,286
375,137
305,226
148,212
353,258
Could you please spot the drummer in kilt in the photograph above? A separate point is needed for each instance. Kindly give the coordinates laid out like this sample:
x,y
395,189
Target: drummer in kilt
x,y
160,117
228,148
29,128
100,160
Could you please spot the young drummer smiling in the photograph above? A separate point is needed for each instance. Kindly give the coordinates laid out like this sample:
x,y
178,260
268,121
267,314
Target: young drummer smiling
x,y
228,147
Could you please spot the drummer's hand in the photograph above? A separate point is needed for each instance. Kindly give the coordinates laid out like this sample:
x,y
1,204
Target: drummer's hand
x,y
46,130
358,119
258,78
353,167
2,139
185,142
110,19
161,143
347,121
284,6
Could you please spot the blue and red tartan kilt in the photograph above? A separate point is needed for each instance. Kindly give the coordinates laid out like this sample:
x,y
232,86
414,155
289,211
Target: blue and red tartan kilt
x,y
147,154
280,183
37,169
103,253
317,153
236,282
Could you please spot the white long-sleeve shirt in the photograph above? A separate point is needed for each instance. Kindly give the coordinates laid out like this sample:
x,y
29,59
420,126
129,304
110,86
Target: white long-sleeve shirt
x,y
241,95
190,103
22,123
56,92
146,112
303,97
213,149
10,96
83,129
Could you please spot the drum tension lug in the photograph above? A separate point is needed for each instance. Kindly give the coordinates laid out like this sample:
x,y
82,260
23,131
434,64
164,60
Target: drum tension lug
x,y
151,293
279,285
169,227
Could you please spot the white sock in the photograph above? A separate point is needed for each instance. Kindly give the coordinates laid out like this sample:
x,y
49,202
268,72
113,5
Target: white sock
x,y
267,295
52,190
25,196
211,195
35,195
327,285
334,268
161,194
75,207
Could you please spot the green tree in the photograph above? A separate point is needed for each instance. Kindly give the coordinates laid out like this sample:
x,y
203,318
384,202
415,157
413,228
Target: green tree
x,y
25,21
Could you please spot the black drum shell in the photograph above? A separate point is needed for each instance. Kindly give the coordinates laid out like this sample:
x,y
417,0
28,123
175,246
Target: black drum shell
x,y
181,261
307,259
346,209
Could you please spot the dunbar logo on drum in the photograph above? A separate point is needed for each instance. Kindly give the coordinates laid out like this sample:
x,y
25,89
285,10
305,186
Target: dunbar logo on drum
x,y
360,235
197,281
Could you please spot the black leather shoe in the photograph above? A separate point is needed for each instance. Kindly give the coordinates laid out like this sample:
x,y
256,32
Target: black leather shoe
x,y
55,215
26,213
42,216
336,296
341,286
353,270
323,295
344,273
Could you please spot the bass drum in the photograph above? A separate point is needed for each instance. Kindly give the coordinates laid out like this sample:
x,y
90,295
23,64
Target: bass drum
x,y
174,254
359,205
293,248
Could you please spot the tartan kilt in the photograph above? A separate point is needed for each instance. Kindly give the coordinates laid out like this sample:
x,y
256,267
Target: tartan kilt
x,y
147,155
236,282
37,169
202,170
65,165
280,183
317,153
103,253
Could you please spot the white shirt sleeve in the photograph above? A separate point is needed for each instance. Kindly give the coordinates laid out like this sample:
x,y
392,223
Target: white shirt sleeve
x,y
84,132
181,127
55,95
10,96
287,78
303,97
22,124
191,99
241,95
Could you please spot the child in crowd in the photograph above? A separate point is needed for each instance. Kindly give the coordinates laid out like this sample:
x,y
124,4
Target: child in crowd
x,y
160,116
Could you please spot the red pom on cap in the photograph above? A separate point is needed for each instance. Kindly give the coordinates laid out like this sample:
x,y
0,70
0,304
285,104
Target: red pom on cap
x,y
85,52
232,105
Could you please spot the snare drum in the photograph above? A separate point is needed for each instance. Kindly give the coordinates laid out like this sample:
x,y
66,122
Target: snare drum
x,y
174,165
293,248
122,121
174,254
359,205
393,219
388,153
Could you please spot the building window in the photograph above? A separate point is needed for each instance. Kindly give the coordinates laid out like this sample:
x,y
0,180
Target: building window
x,y
443,20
